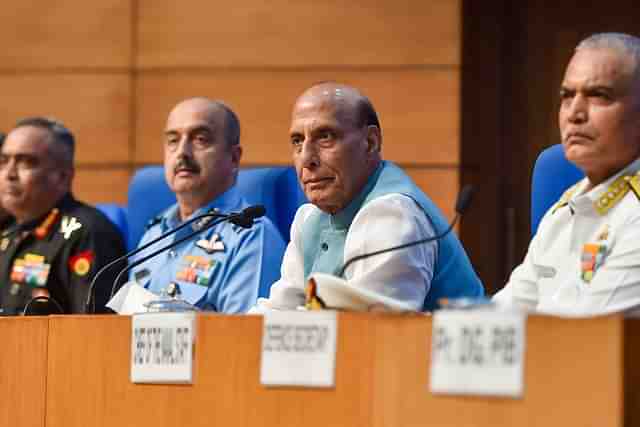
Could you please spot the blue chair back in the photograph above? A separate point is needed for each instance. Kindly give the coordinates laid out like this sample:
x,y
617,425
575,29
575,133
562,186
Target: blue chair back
x,y
277,189
552,175
117,215
274,187
147,197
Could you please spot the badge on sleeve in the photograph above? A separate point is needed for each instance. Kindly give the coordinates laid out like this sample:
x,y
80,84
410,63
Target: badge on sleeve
x,y
80,264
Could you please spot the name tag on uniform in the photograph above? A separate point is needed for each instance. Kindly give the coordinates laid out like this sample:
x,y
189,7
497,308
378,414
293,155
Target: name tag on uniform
x,y
162,347
478,353
299,348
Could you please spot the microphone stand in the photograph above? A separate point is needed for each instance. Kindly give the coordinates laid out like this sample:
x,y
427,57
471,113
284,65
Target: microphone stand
x,y
242,219
162,249
138,250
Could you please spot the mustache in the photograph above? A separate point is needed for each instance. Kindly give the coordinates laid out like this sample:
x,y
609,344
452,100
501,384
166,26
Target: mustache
x,y
186,163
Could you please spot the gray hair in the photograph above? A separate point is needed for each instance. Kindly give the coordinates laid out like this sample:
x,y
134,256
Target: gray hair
x,y
623,43
62,137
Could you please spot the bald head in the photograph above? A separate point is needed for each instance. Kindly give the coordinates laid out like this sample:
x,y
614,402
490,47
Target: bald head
x,y
336,140
215,112
348,102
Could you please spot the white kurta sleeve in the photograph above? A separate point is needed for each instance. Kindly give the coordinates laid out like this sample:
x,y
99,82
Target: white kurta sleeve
x,y
288,292
405,274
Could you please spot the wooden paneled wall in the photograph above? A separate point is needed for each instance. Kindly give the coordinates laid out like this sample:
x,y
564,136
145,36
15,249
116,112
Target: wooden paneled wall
x,y
112,70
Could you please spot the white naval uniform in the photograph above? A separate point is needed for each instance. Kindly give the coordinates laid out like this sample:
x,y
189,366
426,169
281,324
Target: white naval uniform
x,y
552,277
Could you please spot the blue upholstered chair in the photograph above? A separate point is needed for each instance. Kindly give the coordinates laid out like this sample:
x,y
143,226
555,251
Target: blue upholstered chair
x,y
117,214
276,188
552,175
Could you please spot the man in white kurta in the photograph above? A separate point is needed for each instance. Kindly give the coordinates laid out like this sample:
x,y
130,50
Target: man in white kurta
x,y
360,204
585,257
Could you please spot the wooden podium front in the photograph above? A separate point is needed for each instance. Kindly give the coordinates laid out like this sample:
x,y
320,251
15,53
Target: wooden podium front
x,y
577,373
23,371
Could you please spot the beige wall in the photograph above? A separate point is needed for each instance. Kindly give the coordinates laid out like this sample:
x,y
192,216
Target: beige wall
x,y
112,69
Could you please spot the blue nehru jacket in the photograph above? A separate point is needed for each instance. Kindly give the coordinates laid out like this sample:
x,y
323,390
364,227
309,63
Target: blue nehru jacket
x,y
453,275
223,269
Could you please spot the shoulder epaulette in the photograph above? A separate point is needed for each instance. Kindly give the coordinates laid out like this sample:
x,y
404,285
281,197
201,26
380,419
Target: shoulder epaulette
x,y
616,192
634,184
564,200
153,221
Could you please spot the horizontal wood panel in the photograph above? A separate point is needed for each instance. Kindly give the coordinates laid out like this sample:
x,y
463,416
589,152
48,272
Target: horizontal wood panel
x,y
72,33
95,107
301,33
418,109
23,368
96,185
441,185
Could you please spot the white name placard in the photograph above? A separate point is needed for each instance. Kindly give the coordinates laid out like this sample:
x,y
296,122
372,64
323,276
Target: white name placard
x,y
162,347
299,348
478,353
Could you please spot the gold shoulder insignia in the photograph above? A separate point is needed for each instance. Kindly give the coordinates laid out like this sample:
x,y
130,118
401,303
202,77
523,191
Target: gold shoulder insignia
x,y
564,200
634,184
616,192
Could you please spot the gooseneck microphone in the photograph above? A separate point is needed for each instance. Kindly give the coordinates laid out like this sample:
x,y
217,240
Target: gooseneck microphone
x,y
462,204
243,219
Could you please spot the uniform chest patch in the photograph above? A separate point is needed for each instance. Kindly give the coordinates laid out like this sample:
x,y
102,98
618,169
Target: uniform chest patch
x,y
593,255
214,244
196,269
31,270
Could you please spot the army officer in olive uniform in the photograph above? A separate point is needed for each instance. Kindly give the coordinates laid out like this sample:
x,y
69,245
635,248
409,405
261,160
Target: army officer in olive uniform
x,y
52,249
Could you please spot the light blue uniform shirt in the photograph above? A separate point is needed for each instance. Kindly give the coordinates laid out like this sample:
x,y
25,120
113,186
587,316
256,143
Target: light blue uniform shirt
x,y
228,280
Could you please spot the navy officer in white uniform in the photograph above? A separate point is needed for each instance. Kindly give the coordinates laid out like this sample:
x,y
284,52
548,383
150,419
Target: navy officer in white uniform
x,y
585,256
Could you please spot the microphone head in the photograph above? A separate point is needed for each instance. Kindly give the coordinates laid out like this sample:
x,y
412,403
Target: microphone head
x,y
253,212
464,199
245,218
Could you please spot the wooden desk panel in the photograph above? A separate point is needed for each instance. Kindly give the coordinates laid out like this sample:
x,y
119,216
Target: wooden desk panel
x,y
23,371
574,375
89,384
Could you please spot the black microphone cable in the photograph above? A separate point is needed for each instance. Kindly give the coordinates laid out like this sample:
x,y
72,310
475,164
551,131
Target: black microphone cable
x,y
51,300
137,250
462,203
254,211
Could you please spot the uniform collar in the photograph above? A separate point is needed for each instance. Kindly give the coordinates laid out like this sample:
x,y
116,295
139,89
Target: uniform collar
x,y
342,220
226,202
583,200
13,227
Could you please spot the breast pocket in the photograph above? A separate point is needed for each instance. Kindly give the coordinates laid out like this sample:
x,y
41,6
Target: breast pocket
x,y
192,293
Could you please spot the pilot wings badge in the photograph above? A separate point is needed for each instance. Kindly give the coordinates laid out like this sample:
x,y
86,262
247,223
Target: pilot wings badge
x,y
214,244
